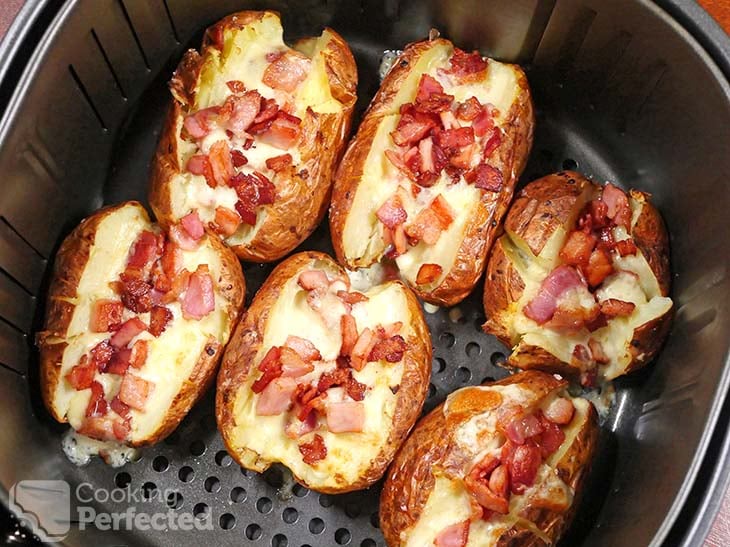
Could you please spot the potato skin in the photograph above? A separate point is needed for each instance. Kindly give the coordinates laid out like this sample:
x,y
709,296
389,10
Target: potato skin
x,y
246,343
410,479
303,195
540,208
482,227
69,266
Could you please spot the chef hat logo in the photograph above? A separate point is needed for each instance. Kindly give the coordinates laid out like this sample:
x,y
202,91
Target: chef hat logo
x,y
43,506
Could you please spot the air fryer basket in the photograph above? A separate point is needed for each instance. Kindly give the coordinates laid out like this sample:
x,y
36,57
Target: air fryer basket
x,y
623,92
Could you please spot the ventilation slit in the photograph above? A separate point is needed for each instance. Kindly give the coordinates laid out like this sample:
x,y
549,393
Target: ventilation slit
x,y
109,64
171,20
86,95
134,33
17,233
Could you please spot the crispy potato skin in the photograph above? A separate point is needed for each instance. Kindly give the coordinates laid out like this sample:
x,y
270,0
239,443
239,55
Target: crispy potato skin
x,y
410,479
246,343
69,266
482,227
540,208
303,193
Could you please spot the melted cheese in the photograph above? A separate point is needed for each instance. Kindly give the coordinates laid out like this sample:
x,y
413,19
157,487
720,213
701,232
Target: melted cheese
x,y
349,455
362,235
171,357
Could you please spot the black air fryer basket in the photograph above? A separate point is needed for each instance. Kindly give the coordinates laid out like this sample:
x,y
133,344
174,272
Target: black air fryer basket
x,y
630,91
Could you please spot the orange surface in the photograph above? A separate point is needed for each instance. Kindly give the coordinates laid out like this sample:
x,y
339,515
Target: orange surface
x,y
720,10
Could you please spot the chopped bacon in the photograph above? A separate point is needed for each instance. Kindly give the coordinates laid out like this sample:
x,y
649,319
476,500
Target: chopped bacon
x,y
287,71
399,240
283,131
192,225
200,165
477,483
581,357
313,451
238,159
313,279
522,428
364,345
239,112
571,317
296,428
455,138
594,216
160,316
139,354
220,162
182,238
484,121
352,297
431,221
276,398
425,151
199,298
106,315
82,375
391,213
348,326
97,405
252,190
485,177
172,260
391,349
464,64
413,126
389,329
542,307
596,349
345,417
304,348
448,120
119,363
427,85
492,143
134,391
613,307
599,267
98,427
292,364
129,329
236,86
199,124
226,222
551,438
617,202
455,535
279,163
499,481
560,411
625,247
120,408
136,294
577,248
144,251
100,355
270,365
469,109
428,273
523,466
268,111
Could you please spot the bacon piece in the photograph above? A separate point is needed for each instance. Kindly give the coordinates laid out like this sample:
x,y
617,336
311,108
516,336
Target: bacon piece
x,y
283,131
81,376
219,156
448,120
199,298
617,202
139,354
313,279
292,365
106,315
431,221
572,319
160,316
625,247
268,111
97,405
413,125
580,357
270,365
428,273
542,307
560,411
345,417
192,225
348,326
171,260
313,451
100,355
485,177
98,427
239,112
296,428
484,122
226,222
279,163
596,349
391,213
391,350
304,348
276,398
455,138
252,190
200,165
456,535
238,159
180,237
613,307
200,123
144,251
364,345
129,329
352,297
477,483
599,267
119,363
492,143
342,377
469,109
134,391
551,438
523,467
120,408
236,86
465,64
577,248
499,481
427,86
287,71
522,428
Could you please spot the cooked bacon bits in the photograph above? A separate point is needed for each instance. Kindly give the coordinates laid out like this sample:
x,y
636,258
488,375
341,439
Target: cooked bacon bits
x,y
134,391
238,159
391,213
199,298
270,366
314,451
578,248
456,535
226,221
287,71
127,331
106,315
236,86
82,375
136,294
428,273
430,222
465,64
192,225
160,316
485,177
560,410
200,165
252,190
613,307
599,267
391,350
97,405
279,163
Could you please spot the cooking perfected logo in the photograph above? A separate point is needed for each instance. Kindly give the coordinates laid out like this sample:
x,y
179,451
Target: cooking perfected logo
x,y
49,507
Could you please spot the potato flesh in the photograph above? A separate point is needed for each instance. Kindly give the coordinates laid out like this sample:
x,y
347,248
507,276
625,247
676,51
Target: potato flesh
x,y
363,232
349,455
449,501
617,335
244,59
171,357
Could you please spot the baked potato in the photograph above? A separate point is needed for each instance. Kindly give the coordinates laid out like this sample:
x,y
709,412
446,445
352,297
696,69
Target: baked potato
x,y
322,378
498,464
136,321
430,173
579,282
254,134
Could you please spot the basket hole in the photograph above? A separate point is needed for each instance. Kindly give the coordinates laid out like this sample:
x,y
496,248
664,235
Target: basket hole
x,y
197,448
123,479
316,525
343,536
174,500
238,495
253,531
290,515
432,391
325,500
352,510
473,350
439,365
569,164
227,521
264,505
300,491
149,490
223,459
368,543
478,322
447,339
375,520
463,375
201,511
279,540
274,477
186,474
212,484
160,464
488,379
498,358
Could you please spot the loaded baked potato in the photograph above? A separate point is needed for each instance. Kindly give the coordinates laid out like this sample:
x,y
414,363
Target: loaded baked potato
x,y
254,134
135,325
432,169
322,378
579,282
498,464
